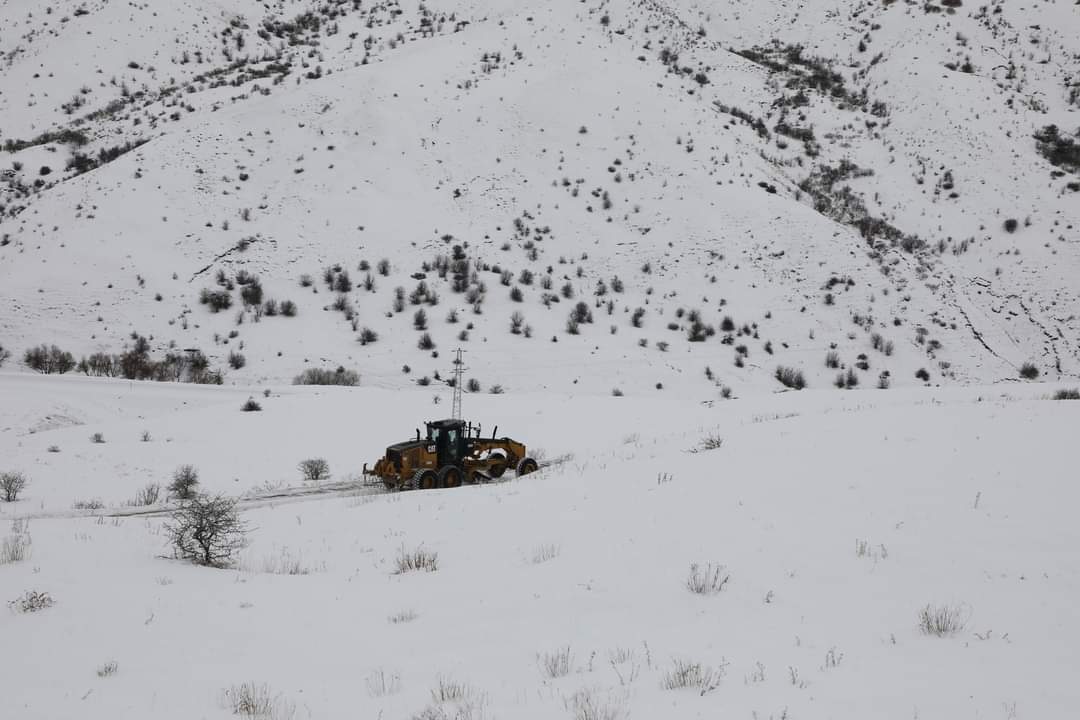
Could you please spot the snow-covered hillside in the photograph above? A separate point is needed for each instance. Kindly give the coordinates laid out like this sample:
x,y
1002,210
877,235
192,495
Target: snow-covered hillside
x,y
686,160
782,295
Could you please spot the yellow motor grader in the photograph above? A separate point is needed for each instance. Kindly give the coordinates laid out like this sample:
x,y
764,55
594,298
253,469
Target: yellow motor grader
x,y
452,453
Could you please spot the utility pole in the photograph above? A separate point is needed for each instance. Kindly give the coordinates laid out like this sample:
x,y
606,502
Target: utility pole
x,y
459,370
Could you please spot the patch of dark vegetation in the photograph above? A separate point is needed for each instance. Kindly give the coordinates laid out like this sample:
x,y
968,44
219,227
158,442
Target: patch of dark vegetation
x,y
49,360
809,72
321,376
1059,150
755,122
81,163
847,207
790,377
136,363
65,136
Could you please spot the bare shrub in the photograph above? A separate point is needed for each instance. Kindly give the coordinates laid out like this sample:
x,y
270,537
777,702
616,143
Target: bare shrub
x,y
556,664
450,691
314,469
322,376
710,442
284,562
402,616
415,560
257,701
183,482
545,552
252,405
32,601
454,701
11,484
1073,394
942,620
14,548
790,377
207,530
98,438
108,669
381,683
91,504
147,495
588,704
48,360
1029,371
708,580
684,674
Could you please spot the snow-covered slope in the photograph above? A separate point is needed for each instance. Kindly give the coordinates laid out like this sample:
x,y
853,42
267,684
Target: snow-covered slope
x,y
578,142
836,517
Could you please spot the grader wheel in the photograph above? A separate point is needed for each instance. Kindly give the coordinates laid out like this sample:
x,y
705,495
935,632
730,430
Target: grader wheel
x,y
498,465
449,477
423,479
526,465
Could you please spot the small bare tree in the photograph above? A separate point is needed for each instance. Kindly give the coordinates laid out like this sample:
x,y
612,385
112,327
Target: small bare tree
x,y
315,469
11,484
184,481
207,530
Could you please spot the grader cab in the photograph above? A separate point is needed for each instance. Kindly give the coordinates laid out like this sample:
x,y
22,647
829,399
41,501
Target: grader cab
x,y
452,452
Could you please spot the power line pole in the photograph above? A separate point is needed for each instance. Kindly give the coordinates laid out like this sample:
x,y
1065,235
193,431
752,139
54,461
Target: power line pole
x,y
459,370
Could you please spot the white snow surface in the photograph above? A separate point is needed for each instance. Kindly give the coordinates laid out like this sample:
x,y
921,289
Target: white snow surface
x,y
962,497
622,154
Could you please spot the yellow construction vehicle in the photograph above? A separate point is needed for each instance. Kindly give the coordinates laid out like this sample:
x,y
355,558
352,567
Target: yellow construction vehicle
x,y
453,452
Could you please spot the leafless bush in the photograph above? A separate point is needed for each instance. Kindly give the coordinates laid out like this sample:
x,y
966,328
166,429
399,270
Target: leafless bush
x,y
14,548
91,504
284,562
98,438
790,377
183,482
708,580
381,683
709,442
148,495
207,530
402,616
449,691
1073,394
418,559
32,601
545,552
684,674
315,469
322,376
556,664
11,484
942,620
108,669
257,701
588,704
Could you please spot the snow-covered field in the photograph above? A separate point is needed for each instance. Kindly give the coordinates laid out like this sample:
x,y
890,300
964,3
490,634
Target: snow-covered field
x,y
836,516
646,223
